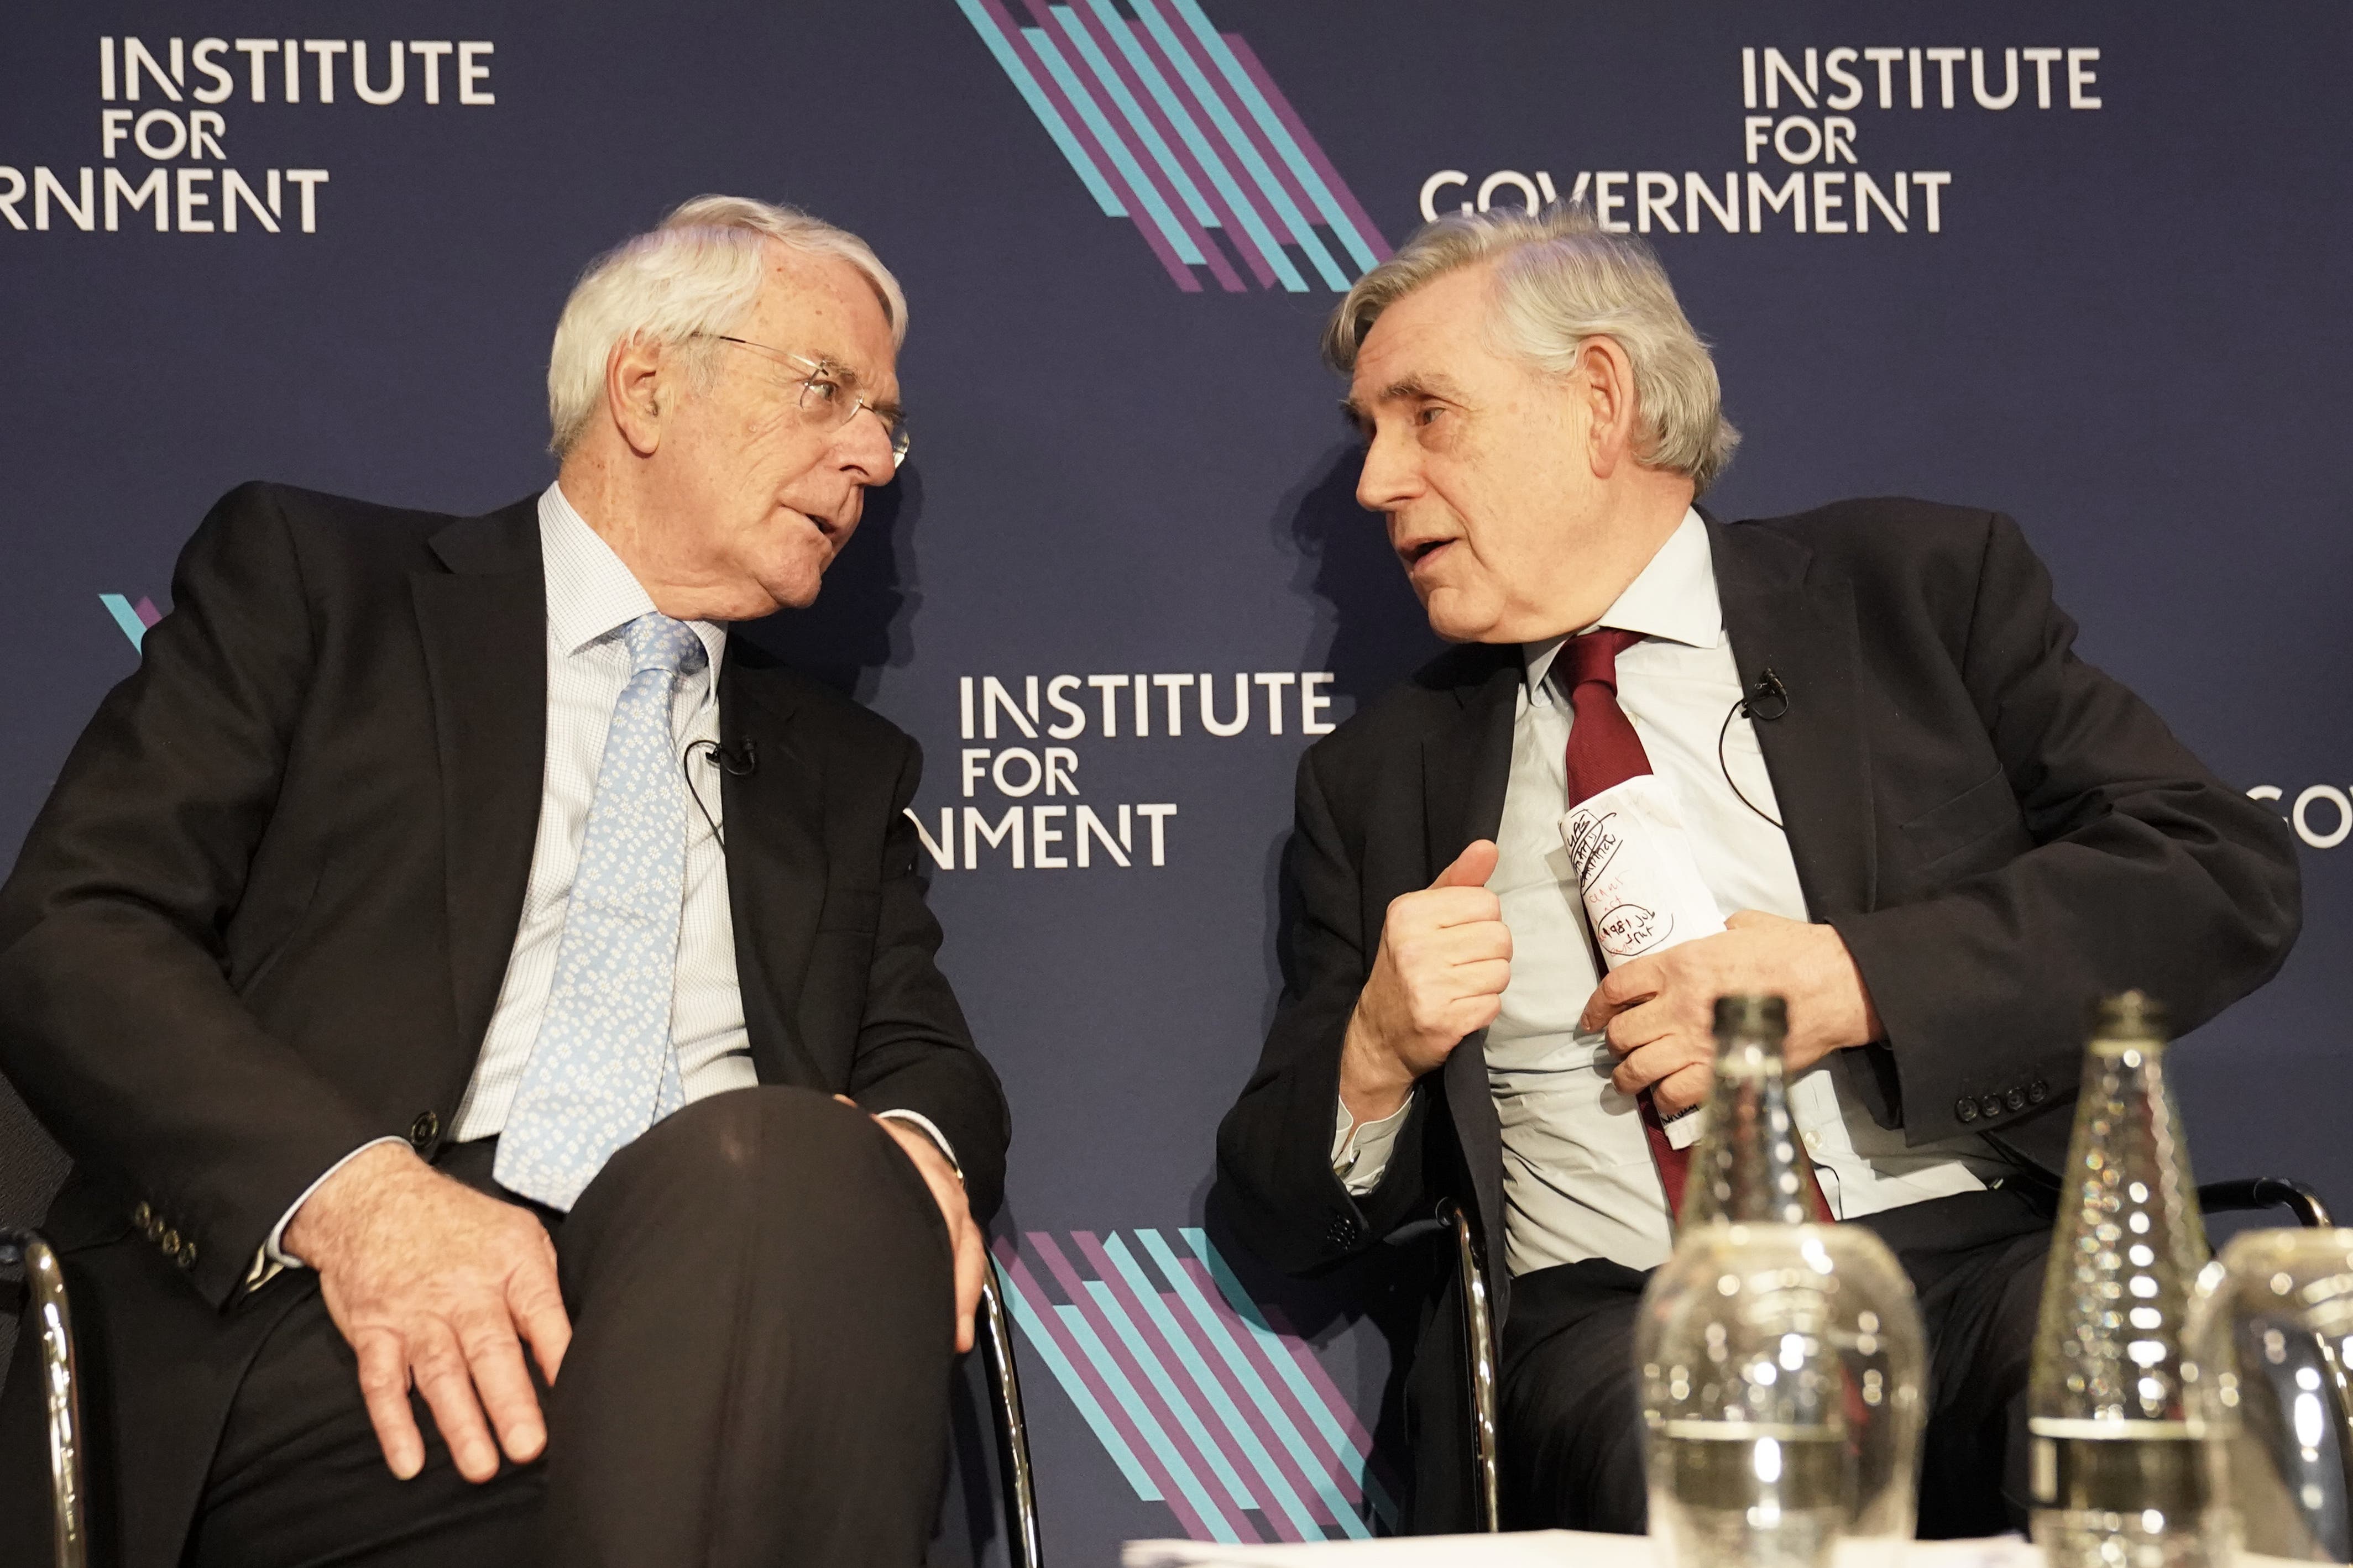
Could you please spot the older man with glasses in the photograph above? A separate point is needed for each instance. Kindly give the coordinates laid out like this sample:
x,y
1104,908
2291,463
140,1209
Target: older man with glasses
x,y
517,1116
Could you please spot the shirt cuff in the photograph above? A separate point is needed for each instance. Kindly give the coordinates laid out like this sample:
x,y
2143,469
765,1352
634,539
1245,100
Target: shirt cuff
x,y
1684,1130
1360,1149
273,1254
917,1118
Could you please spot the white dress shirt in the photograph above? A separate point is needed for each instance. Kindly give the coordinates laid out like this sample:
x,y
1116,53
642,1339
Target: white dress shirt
x,y
591,598
1579,1181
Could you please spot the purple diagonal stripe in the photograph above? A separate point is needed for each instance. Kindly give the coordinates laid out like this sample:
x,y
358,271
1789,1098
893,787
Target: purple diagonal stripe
x,y
1085,136
1116,1278
1296,1342
1270,154
1314,1371
1082,1298
1342,1411
1335,1464
1051,85
1257,72
1236,235
1243,180
146,611
1226,275
1264,1421
1113,1407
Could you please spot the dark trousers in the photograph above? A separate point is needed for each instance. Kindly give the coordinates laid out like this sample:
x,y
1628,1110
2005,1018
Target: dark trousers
x,y
760,1290
1571,1422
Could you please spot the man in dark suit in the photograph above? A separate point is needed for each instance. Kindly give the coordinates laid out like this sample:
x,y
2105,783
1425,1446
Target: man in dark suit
x,y
1917,815
452,942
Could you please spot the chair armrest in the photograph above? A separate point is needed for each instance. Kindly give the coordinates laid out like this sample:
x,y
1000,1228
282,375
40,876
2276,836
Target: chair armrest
x,y
1478,1364
51,1317
1026,1540
2263,1193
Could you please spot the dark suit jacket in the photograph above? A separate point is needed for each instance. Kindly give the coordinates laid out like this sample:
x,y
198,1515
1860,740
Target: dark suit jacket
x,y
1999,832
266,913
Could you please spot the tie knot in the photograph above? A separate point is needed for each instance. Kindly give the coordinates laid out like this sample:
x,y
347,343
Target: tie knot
x,y
1594,657
657,642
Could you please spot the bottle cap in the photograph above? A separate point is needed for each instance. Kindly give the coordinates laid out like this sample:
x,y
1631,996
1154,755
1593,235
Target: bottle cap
x,y
2134,1016
1752,1015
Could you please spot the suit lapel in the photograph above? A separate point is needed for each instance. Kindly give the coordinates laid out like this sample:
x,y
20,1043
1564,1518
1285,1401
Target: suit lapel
x,y
1785,613
775,861
1466,765
483,623
1466,768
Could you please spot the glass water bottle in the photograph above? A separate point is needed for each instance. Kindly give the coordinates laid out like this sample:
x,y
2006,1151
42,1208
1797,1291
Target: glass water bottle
x,y
2119,1478
2272,1331
1781,1359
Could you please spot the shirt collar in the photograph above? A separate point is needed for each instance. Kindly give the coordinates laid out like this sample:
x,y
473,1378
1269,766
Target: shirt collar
x,y
1673,598
590,593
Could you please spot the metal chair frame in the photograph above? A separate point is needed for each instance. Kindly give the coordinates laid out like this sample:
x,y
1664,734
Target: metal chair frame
x,y
1479,1352
53,1315
1478,1340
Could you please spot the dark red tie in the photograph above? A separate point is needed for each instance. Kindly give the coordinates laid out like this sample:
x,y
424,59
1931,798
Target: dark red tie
x,y
1604,750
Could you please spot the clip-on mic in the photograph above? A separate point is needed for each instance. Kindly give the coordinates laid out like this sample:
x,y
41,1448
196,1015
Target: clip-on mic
x,y
1768,688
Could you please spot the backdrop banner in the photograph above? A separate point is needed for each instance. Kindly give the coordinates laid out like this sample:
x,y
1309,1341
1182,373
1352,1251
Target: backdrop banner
x,y
2086,265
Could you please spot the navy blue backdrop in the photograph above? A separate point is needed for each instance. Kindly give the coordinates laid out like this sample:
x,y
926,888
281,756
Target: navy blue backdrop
x,y
2087,266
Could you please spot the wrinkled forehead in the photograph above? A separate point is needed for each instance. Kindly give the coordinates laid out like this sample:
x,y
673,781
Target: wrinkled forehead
x,y
825,308
1433,338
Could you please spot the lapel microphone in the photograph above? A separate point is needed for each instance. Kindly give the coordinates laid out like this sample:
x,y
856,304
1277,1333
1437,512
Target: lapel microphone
x,y
1763,702
1767,700
742,762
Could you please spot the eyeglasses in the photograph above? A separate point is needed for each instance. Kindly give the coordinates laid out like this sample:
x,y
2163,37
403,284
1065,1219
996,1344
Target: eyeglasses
x,y
828,399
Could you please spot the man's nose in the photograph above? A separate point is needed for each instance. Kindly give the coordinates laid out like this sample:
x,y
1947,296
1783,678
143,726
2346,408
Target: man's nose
x,y
1391,476
862,447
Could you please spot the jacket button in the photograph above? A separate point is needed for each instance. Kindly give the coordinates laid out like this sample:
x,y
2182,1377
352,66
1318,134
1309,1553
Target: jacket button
x,y
1966,1108
170,1243
186,1256
1991,1105
2038,1091
424,1130
141,1216
2015,1099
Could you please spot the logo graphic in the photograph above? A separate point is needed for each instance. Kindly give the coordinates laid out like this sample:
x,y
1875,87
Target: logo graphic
x,y
134,619
1204,1400
1172,124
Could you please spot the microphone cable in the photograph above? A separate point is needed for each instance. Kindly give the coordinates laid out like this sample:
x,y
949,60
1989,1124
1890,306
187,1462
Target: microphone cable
x,y
1768,688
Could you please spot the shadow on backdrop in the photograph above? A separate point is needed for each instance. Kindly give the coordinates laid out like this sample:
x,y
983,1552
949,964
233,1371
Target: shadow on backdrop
x,y
1369,631
864,620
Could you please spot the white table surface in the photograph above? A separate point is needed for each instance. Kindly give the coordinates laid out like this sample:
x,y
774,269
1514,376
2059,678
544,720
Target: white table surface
x,y
1551,1549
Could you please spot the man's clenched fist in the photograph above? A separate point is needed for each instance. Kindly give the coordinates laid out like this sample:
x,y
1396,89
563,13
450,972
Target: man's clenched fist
x,y
1444,960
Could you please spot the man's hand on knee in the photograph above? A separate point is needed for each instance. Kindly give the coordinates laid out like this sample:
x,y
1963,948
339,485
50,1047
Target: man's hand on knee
x,y
963,1237
435,1284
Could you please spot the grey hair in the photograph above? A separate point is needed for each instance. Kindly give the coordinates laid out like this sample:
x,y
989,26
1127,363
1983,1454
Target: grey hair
x,y
696,275
1559,280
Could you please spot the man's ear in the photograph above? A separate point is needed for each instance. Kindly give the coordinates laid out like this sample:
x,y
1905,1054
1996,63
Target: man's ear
x,y
641,391
1603,379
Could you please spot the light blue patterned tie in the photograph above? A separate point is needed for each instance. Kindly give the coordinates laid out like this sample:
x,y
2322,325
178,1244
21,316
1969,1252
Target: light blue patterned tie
x,y
604,1069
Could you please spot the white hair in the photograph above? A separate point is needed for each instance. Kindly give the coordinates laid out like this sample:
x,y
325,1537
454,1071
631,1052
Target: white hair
x,y
693,278
1559,280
